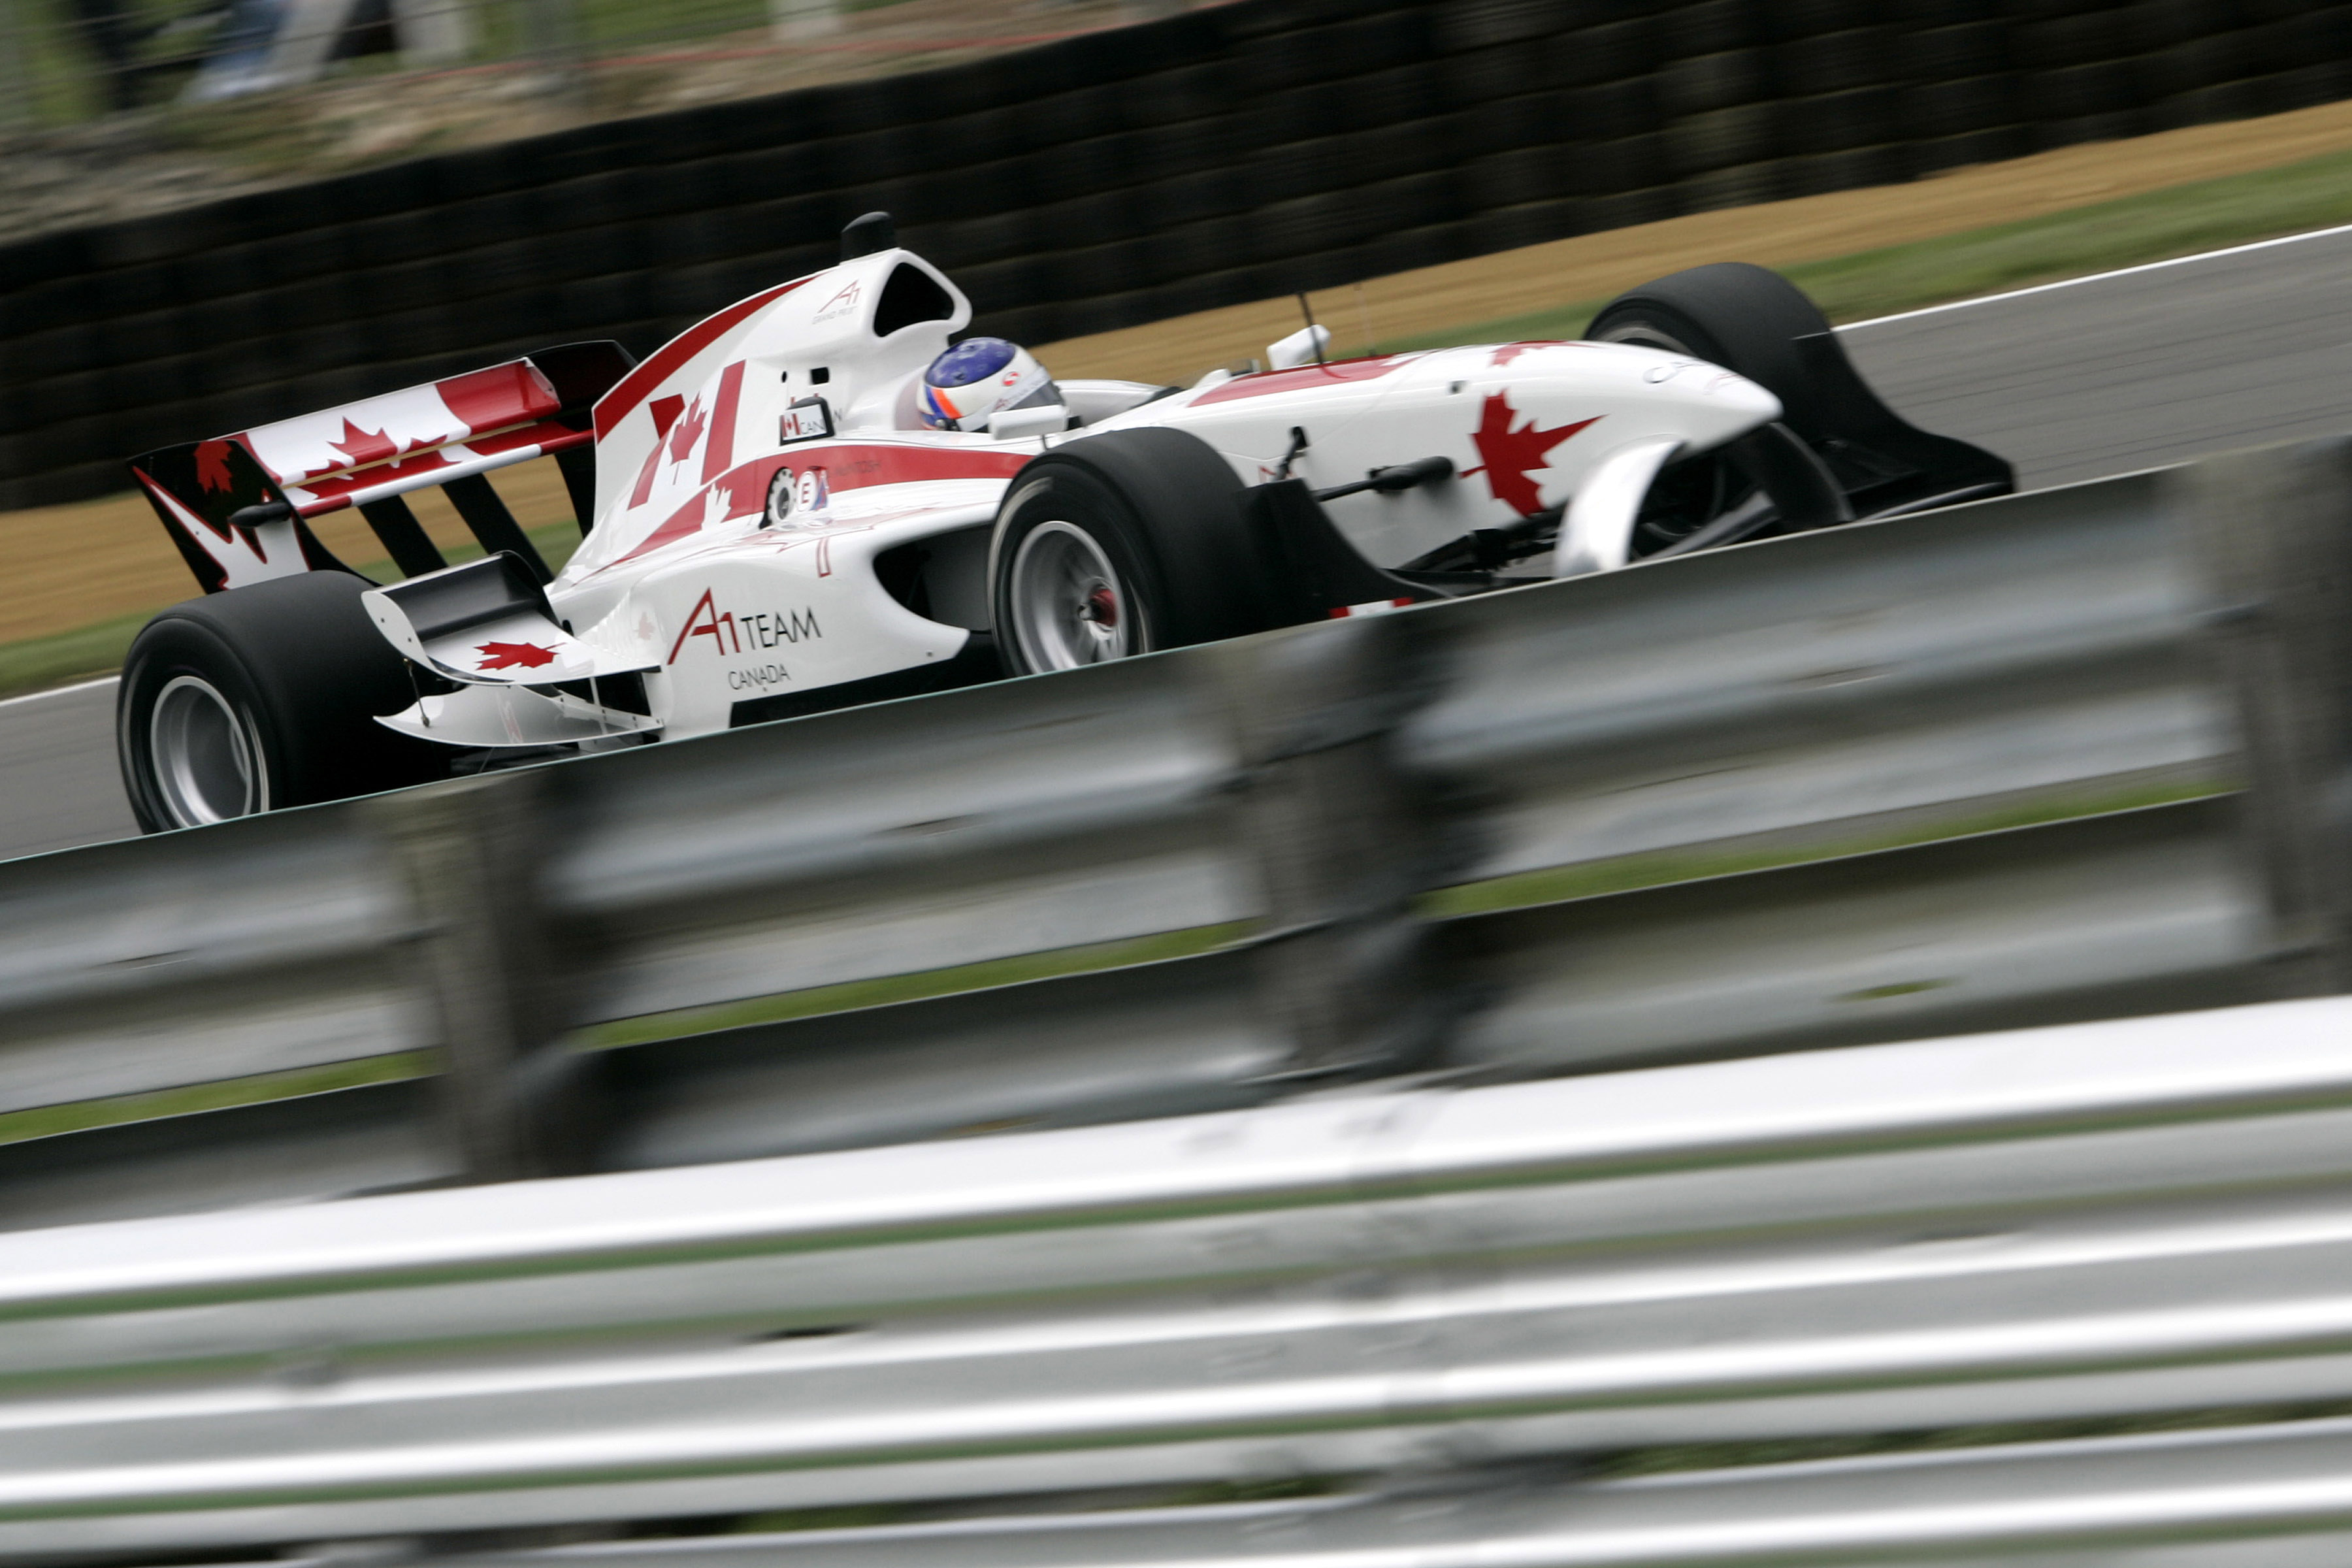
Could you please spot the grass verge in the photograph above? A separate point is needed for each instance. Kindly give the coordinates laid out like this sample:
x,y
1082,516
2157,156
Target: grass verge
x,y
2180,220
852,994
87,652
1630,873
80,1116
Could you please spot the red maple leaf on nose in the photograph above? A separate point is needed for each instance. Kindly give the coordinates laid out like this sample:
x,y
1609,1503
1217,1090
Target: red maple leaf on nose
x,y
687,432
514,655
1510,458
1510,351
212,466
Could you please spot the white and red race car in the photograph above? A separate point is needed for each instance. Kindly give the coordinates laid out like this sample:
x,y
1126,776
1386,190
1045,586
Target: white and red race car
x,y
770,530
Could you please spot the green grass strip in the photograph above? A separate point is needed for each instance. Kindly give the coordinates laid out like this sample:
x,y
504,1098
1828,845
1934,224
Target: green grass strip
x,y
80,1116
87,652
851,995
1629,873
2156,225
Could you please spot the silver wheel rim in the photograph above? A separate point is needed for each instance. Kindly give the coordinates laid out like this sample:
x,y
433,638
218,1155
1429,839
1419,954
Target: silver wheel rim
x,y
206,766
1069,605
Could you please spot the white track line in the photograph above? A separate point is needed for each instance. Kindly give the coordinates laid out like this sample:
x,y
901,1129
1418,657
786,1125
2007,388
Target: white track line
x,y
59,690
2099,277
1849,327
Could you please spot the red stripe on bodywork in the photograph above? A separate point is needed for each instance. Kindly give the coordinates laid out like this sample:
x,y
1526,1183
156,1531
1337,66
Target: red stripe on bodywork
x,y
548,437
511,394
1268,383
718,451
632,388
845,468
856,467
665,414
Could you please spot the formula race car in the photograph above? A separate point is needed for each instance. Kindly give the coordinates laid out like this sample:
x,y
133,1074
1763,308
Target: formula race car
x,y
774,526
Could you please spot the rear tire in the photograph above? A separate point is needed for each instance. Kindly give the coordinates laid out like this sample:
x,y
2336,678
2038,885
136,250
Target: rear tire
x,y
260,697
1122,543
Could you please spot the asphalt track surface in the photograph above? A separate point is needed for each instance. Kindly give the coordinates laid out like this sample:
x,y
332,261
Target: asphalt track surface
x,y
2076,381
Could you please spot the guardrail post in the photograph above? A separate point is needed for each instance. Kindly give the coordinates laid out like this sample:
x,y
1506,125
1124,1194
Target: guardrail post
x,y
1340,839
512,1101
2272,531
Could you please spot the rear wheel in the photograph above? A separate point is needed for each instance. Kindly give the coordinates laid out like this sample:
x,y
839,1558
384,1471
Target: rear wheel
x,y
261,698
205,753
1122,543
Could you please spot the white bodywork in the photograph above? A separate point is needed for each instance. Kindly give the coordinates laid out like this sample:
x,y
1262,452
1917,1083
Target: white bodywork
x,y
686,581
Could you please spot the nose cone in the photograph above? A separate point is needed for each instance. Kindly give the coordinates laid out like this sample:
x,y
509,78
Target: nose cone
x,y
1736,394
1709,403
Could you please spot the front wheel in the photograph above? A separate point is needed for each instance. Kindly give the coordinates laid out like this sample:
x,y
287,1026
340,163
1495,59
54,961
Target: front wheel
x,y
1761,326
1122,543
260,697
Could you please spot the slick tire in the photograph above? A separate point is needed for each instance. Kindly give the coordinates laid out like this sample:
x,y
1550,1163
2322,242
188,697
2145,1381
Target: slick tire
x,y
261,698
1743,318
1122,543
1749,321
1762,326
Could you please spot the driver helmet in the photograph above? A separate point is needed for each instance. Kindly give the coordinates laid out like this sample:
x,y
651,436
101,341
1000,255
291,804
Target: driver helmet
x,y
979,377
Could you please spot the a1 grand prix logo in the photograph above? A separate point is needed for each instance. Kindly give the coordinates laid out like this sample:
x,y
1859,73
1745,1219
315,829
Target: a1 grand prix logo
x,y
730,633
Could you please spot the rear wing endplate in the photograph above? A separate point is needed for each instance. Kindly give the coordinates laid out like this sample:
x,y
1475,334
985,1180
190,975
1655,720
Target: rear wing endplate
x,y
237,505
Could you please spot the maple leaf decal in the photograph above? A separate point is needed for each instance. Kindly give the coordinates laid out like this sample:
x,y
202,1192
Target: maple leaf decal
x,y
364,446
1509,352
686,431
1511,458
212,466
513,656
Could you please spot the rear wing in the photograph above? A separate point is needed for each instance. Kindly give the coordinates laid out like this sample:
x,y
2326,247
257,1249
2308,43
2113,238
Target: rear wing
x,y
236,505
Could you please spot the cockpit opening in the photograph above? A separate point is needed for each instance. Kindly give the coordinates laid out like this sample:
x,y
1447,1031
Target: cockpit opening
x,y
911,296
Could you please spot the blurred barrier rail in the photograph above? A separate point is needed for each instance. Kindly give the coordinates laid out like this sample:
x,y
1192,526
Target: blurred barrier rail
x,y
2068,755
2086,1221
2259,1497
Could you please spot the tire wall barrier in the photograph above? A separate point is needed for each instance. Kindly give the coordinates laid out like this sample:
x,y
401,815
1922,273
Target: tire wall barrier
x,y
1108,179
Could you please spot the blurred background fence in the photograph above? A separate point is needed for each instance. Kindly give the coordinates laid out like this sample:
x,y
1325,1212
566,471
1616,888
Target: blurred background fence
x,y
1230,154
75,60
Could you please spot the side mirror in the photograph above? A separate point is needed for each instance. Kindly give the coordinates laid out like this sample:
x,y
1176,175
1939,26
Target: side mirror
x,y
1019,424
1304,346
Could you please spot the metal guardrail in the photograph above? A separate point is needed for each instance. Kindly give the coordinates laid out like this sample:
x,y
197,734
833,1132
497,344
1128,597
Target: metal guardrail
x,y
2086,1221
2262,1496
2058,756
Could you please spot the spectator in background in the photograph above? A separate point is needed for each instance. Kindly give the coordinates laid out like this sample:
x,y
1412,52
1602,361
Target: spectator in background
x,y
108,33
238,60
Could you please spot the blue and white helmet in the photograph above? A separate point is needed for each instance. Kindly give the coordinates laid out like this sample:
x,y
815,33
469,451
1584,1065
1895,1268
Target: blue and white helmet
x,y
979,377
